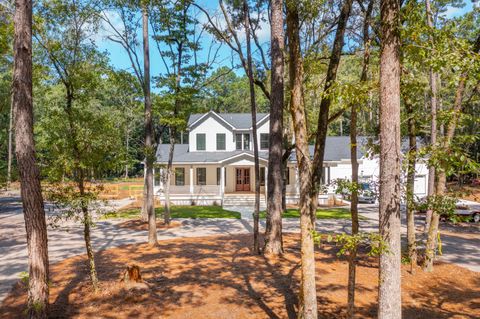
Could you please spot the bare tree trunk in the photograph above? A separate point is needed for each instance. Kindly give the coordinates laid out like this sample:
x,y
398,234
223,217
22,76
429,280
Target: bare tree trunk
x,y
127,141
442,177
166,214
353,157
322,125
412,159
149,146
256,244
30,187
433,114
10,144
87,220
307,308
389,304
275,198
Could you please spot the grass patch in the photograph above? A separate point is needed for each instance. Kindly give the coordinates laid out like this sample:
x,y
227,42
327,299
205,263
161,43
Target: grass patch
x,y
180,212
322,213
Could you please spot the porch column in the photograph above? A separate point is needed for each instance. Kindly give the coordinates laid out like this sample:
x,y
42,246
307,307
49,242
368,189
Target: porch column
x,y
222,182
191,180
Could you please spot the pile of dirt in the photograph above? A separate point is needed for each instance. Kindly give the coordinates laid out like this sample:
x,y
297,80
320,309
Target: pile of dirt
x,y
138,224
219,277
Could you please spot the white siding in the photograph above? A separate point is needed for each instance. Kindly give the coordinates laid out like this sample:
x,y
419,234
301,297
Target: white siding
x,y
210,127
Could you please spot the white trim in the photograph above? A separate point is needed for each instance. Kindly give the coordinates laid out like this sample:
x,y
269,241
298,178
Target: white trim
x,y
259,121
240,155
204,116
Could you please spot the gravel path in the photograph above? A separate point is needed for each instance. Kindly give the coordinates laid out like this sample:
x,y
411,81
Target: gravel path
x,y
67,241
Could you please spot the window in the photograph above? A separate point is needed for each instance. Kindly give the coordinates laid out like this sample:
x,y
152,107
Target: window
x,y
287,176
264,141
238,141
220,141
246,141
200,141
180,176
262,176
201,176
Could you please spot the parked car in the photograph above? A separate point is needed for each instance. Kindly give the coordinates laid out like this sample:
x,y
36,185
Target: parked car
x,y
466,208
463,208
366,193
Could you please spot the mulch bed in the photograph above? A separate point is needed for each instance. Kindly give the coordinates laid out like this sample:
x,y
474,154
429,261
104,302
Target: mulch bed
x,y
219,277
138,224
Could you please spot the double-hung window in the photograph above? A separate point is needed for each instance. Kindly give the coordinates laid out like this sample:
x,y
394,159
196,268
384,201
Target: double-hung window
x,y
179,176
201,142
262,176
238,141
264,141
246,141
201,176
221,141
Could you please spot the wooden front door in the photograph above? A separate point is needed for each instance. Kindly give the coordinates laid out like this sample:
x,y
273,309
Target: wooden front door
x,y
242,179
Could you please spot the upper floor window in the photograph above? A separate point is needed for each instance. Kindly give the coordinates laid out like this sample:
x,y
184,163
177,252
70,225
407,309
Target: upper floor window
x,y
220,141
179,176
238,141
264,141
201,176
201,142
246,141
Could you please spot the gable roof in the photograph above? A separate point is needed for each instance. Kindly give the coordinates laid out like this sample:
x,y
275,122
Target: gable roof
x,y
239,121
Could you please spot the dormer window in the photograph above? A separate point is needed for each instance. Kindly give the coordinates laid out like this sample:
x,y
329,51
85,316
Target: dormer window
x,y
264,141
242,141
221,137
201,141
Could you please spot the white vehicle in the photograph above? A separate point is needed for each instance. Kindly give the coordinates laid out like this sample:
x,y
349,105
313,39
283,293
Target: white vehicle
x,y
468,208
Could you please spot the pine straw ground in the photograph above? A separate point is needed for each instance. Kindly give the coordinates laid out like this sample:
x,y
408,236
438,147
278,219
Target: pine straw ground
x,y
219,277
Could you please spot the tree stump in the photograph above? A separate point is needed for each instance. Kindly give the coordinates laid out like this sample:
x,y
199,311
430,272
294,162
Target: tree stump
x,y
132,274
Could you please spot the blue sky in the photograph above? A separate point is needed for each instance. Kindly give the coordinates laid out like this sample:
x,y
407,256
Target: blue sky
x,y
119,59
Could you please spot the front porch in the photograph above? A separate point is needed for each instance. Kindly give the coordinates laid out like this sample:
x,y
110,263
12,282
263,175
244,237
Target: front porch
x,y
223,184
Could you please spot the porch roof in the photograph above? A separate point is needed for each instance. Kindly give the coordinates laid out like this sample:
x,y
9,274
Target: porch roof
x,y
181,154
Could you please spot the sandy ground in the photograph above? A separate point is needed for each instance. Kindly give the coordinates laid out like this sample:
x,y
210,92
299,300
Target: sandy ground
x,y
219,277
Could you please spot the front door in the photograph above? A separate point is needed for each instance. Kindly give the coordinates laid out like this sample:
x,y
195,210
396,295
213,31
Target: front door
x,y
242,179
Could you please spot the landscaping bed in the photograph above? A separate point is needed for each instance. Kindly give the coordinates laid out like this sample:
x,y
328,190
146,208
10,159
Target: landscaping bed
x,y
219,277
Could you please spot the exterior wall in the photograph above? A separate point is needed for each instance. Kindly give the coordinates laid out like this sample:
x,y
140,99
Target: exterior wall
x,y
210,127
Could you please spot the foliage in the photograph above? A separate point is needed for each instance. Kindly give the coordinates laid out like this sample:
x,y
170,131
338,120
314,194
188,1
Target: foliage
x,y
350,243
69,203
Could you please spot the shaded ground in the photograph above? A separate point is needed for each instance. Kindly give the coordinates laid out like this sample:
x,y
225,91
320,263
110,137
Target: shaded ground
x,y
218,277
138,224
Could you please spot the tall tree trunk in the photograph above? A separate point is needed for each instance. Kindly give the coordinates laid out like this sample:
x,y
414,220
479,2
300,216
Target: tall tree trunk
x,y
166,214
389,304
433,114
87,221
33,210
412,159
354,160
307,308
442,177
149,145
273,233
322,125
10,144
127,149
256,244
80,181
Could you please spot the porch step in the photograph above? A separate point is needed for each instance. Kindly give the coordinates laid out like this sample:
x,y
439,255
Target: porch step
x,y
246,201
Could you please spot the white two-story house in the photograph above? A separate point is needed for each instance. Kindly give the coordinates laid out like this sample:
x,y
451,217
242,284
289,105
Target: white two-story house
x,y
216,166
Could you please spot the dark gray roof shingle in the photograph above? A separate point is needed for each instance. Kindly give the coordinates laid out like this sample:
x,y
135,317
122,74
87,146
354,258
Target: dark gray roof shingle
x,y
240,121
